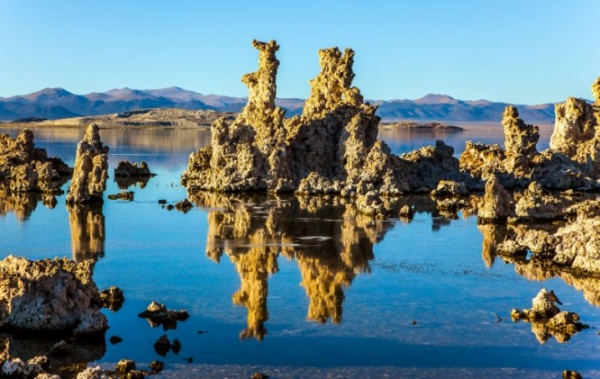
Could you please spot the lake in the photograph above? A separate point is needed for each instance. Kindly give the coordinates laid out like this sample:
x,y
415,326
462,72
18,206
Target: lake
x,y
297,287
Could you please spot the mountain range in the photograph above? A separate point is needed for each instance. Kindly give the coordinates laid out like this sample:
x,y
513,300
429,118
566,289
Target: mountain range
x,y
55,103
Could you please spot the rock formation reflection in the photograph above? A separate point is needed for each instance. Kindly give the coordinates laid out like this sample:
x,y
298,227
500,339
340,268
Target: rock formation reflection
x,y
87,231
22,204
65,358
254,230
500,240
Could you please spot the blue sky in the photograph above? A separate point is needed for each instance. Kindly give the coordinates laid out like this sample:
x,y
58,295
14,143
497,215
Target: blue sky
x,y
521,51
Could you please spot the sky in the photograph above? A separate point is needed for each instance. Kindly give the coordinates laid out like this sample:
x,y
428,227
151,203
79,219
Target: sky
x,y
517,51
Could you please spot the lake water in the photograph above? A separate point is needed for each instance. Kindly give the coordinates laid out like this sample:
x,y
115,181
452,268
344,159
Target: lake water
x,y
295,287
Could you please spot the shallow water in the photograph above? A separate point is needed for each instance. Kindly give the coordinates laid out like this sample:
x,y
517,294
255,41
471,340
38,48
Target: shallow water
x,y
297,288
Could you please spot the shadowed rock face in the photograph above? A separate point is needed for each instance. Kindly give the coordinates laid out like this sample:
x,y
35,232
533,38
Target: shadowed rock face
x,y
91,169
23,168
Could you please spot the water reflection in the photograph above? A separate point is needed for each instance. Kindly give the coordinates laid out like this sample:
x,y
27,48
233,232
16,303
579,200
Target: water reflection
x,y
66,357
22,204
167,141
87,231
533,267
329,241
124,182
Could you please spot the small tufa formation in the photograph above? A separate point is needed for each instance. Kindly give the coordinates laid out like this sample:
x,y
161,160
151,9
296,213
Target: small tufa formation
x,y
497,203
157,314
23,168
56,295
131,174
520,142
112,298
125,169
547,319
91,169
538,204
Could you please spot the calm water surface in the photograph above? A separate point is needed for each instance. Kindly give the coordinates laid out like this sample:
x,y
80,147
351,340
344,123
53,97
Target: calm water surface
x,y
297,288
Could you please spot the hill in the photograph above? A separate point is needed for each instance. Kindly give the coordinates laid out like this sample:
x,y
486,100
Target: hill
x,y
58,103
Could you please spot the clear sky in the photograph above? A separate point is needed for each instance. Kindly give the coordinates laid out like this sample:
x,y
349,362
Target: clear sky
x,y
519,51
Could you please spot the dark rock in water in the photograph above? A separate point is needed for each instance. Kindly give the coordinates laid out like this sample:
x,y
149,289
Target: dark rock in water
x,y
259,375
189,360
23,168
170,207
131,174
91,169
115,340
162,201
156,366
112,298
127,169
51,296
157,314
184,205
124,195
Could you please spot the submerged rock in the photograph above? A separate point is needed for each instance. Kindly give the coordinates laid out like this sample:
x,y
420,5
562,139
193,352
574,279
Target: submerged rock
x,y
23,168
56,295
91,169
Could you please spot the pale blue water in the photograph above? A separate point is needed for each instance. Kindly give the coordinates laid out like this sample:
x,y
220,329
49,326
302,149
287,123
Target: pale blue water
x,y
387,276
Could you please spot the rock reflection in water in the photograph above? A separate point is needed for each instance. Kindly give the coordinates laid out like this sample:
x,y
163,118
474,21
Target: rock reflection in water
x,y
497,241
87,231
22,204
66,358
128,181
254,230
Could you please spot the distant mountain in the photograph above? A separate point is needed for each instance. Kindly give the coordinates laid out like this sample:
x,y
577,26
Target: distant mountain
x,y
56,103
446,108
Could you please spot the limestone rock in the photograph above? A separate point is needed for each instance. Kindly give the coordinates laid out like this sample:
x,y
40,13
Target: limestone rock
x,y
579,246
450,188
91,169
157,314
112,298
520,142
95,372
23,168
575,132
331,148
497,203
127,169
538,204
56,295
